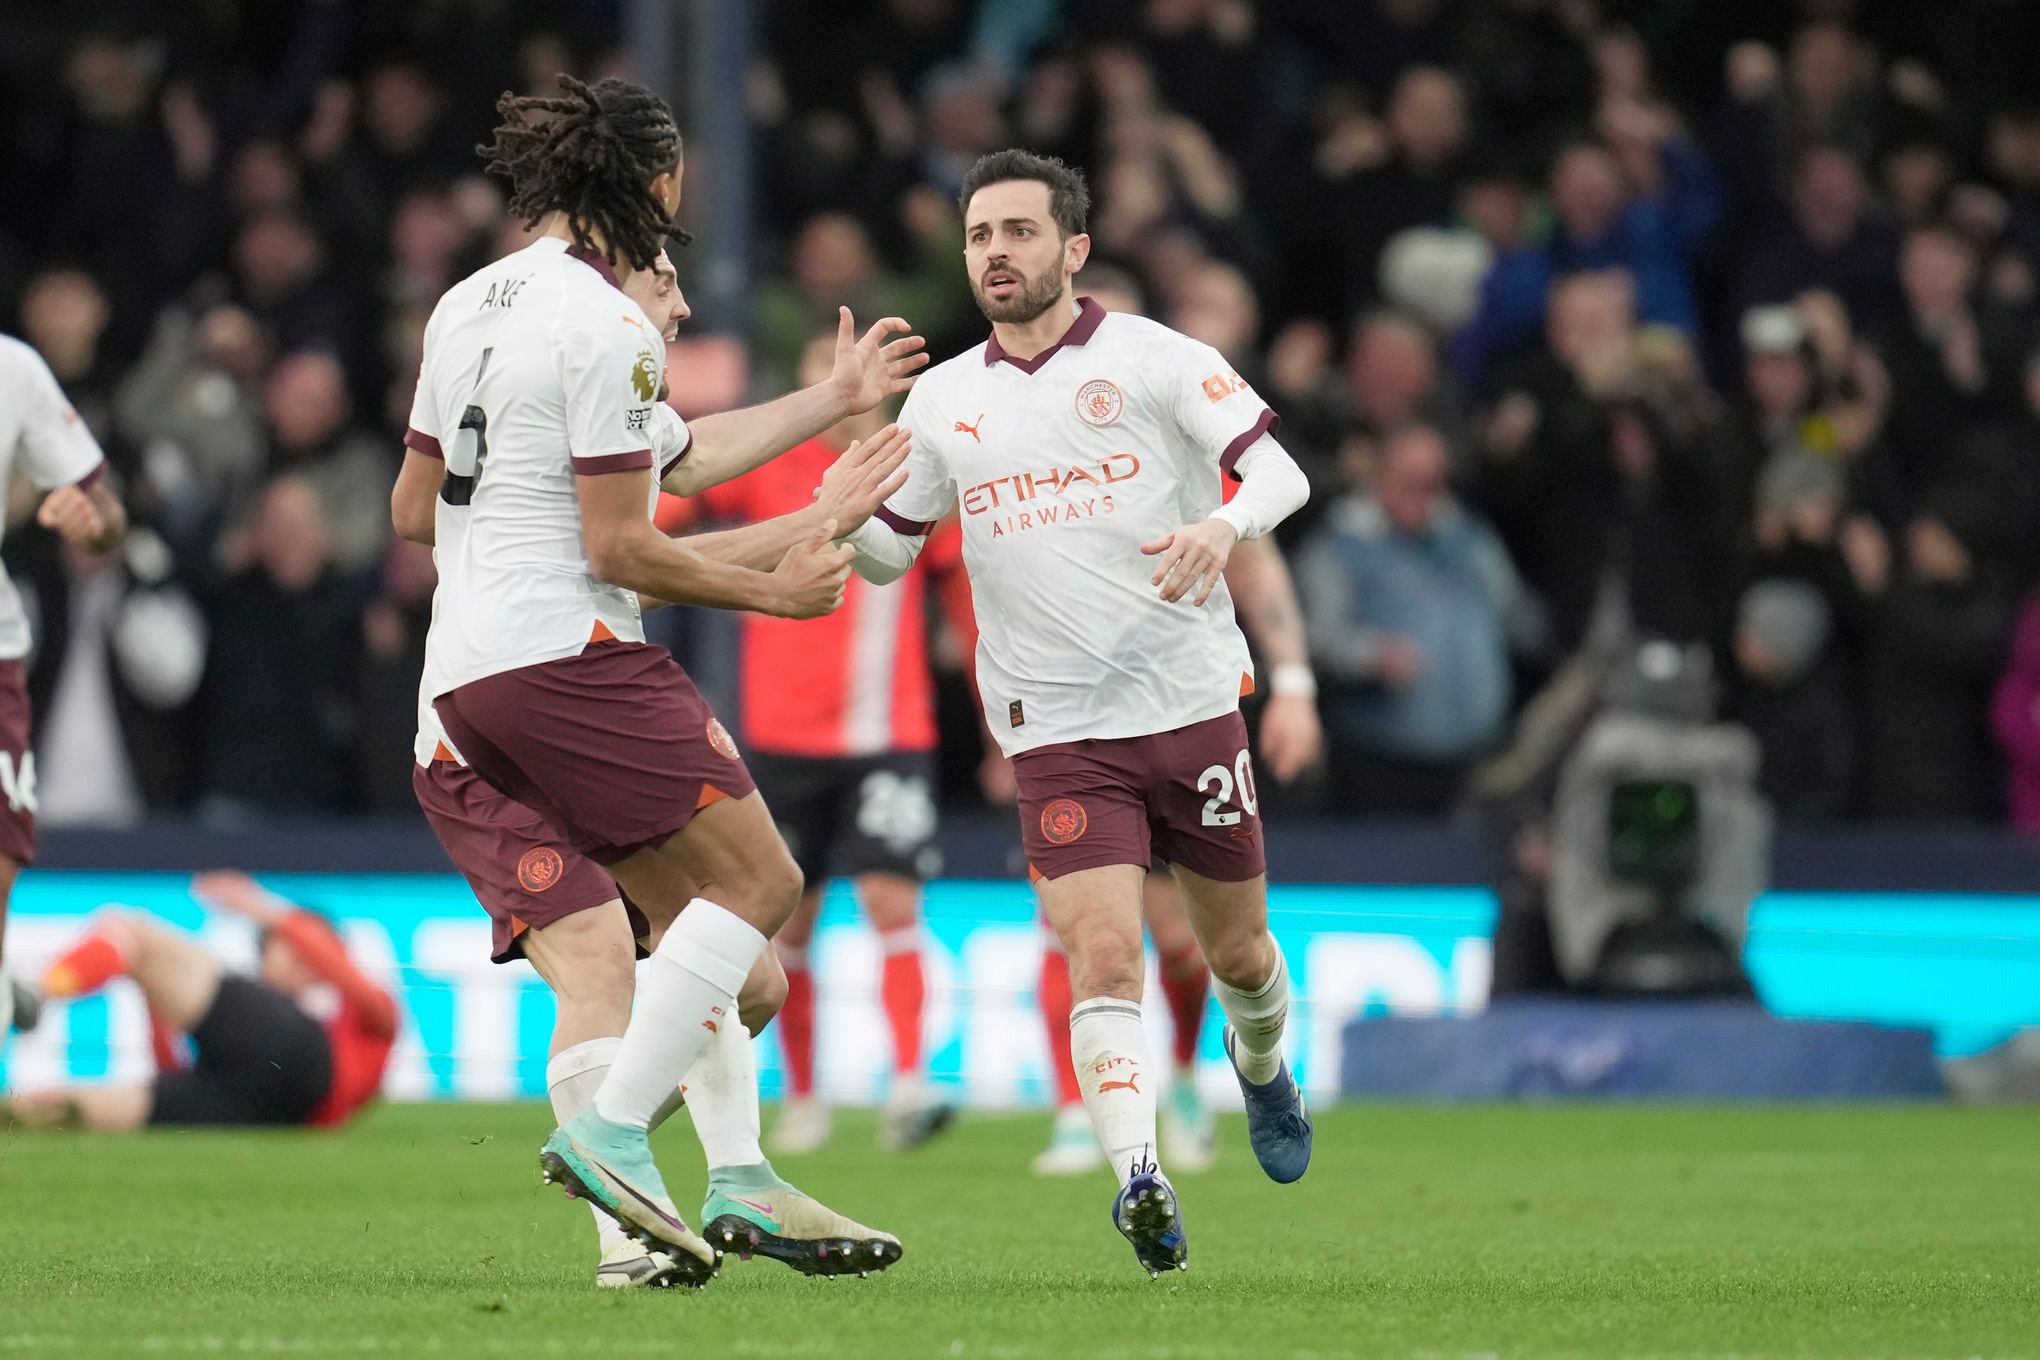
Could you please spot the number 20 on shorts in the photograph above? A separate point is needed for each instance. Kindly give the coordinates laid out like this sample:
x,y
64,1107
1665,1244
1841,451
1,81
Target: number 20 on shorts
x,y
1219,782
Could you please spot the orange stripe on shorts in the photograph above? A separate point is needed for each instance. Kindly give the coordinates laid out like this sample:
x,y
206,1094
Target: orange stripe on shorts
x,y
709,794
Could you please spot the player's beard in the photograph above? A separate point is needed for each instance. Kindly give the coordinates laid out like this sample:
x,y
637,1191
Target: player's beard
x,y
1034,297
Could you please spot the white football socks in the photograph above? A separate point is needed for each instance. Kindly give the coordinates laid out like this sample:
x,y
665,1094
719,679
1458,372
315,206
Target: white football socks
x,y
1257,1020
722,1095
688,995
572,1077
1108,1047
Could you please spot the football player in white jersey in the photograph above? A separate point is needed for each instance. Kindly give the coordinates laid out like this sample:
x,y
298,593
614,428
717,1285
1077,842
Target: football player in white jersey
x,y
499,844
1085,451
538,392
43,436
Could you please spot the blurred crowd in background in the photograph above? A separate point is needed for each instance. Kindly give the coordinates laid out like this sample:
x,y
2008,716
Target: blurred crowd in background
x,y
1712,322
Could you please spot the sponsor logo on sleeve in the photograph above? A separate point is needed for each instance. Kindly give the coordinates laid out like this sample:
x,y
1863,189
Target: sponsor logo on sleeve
x,y
644,376
1219,386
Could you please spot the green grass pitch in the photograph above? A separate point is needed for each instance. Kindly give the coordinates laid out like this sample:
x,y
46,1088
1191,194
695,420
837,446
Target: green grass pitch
x,y
1433,1234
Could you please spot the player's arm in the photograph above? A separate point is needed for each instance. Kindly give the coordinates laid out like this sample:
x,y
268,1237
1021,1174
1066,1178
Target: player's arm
x,y
1221,418
893,537
414,499
852,490
60,456
867,372
1291,735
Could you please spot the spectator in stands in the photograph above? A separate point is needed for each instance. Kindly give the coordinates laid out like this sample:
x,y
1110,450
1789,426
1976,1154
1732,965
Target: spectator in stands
x,y
1652,231
1409,598
286,633
64,314
2015,719
1831,241
282,276
311,436
393,654
1392,373
1939,627
1791,695
191,407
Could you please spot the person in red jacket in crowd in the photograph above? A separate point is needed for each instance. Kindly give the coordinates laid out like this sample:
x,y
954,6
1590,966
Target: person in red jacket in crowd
x,y
838,728
260,1057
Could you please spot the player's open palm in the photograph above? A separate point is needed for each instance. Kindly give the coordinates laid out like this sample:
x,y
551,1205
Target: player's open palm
x,y
869,370
860,481
69,512
1193,559
813,575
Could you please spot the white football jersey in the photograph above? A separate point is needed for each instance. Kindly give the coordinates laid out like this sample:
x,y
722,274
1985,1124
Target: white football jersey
x,y
537,369
1063,466
670,442
39,430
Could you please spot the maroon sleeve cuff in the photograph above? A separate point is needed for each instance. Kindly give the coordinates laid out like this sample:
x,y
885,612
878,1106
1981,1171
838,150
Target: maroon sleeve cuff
x,y
92,478
899,524
419,442
1265,425
634,461
678,458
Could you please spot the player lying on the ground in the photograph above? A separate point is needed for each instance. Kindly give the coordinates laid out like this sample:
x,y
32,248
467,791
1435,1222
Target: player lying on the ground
x,y
1086,452
43,438
533,880
839,729
259,1055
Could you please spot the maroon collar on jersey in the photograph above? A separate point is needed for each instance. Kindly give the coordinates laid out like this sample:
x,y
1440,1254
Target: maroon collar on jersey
x,y
1089,314
596,263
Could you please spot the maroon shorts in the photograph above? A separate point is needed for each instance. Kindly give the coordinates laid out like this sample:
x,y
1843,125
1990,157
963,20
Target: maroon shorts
x,y
1185,796
614,748
522,870
17,779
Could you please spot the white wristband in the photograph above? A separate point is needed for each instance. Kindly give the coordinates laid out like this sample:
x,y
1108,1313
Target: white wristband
x,y
1293,677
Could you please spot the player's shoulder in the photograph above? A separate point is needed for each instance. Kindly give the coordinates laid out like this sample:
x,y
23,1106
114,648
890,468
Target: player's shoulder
x,y
19,361
954,374
1150,342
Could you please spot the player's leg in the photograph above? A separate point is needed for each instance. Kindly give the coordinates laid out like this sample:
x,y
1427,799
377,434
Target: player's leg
x,y
100,1109
1188,1130
803,1123
17,811
10,869
1072,1147
178,978
886,828
1208,826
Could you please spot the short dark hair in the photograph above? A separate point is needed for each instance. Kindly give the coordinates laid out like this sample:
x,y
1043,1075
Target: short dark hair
x,y
593,154
1069,198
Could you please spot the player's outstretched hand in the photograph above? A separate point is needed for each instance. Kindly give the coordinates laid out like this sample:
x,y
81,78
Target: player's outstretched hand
x,y
870,370
1193,558
68,511
813,575
231,890
864,478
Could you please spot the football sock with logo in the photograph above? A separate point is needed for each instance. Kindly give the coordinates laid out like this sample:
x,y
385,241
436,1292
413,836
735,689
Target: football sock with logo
x,y
722,1095
1054,994
572,1076
1108,1039
1186,983
904,990
797,1022
688,994
86,966
1257,1019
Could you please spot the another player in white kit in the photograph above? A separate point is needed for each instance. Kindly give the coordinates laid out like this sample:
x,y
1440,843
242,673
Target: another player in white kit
x,y
1085,451
527,875
537,392
40,433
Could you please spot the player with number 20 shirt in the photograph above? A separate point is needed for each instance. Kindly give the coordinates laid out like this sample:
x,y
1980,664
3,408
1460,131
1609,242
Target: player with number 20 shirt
x,y
1084,451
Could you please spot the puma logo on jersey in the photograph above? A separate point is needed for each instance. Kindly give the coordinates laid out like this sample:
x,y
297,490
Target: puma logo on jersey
x,y
971,430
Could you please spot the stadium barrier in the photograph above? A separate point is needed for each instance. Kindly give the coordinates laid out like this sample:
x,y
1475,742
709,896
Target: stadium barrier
x,y
1948,939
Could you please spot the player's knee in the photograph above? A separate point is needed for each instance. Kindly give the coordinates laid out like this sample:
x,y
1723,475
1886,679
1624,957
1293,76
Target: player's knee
x,y
775,888
1240,960
1106,964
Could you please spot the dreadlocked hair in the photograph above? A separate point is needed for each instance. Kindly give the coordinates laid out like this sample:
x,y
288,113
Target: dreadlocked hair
x,y
592,154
